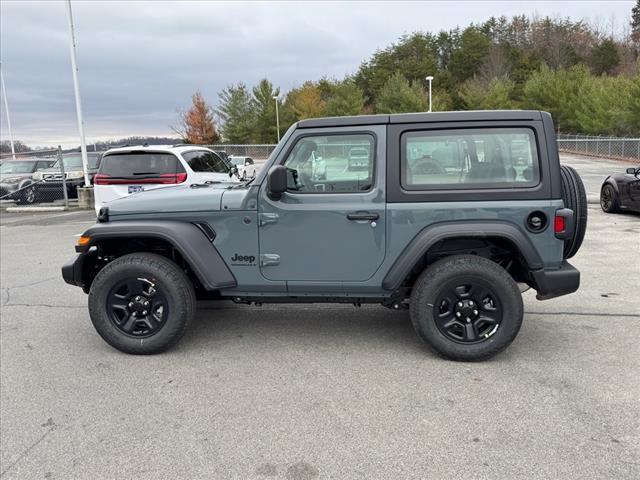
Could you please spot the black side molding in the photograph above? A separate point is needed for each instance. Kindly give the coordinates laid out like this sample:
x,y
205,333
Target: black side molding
x,y
190,240
433,234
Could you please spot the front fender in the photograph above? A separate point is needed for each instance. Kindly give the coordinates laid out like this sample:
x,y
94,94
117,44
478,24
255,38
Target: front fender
x,y
435,233
191,241
610,181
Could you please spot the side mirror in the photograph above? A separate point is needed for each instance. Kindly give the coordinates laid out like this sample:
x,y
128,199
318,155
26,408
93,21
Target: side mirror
x,y
233,170
277,181
631,171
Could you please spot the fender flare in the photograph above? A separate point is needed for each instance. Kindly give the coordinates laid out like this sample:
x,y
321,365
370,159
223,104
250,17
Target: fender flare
x,y
429,236
187,238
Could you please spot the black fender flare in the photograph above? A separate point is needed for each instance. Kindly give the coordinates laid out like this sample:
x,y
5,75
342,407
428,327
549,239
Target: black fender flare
x,y
429,236
191,241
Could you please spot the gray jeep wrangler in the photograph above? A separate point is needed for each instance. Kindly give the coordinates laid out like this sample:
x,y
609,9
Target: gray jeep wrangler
x,y
450,215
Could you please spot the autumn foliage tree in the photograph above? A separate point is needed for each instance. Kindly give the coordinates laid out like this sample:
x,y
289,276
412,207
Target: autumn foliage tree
x,y
196,125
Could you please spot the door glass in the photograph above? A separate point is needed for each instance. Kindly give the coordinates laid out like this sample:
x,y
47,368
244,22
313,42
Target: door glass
x,y
331,164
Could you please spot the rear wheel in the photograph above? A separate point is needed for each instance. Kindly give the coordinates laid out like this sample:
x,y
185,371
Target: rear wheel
x,y
466,307
574,197
609,199
141,303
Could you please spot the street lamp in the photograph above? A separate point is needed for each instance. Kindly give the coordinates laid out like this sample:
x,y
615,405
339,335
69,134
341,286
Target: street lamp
x,y
429,79
275,97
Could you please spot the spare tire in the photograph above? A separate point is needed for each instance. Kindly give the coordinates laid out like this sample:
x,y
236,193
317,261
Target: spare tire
x,y
575,198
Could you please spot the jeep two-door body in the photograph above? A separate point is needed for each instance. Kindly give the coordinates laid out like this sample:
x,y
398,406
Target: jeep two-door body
x,y
452,211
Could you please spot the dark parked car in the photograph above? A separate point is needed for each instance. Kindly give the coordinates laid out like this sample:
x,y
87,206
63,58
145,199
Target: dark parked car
x,y
621,191
49,181
16,176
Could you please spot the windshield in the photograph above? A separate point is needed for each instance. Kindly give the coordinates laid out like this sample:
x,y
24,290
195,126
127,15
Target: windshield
x,y
75,162
17,167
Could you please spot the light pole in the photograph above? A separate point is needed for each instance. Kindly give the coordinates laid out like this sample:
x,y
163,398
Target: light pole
x,y
429,79
76,89
275,97
6,109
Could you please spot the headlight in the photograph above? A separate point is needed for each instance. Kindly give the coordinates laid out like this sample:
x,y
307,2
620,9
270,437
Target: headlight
x,y
37,176
75,175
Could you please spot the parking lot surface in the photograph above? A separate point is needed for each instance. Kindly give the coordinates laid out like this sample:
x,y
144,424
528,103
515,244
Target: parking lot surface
x,y
304,392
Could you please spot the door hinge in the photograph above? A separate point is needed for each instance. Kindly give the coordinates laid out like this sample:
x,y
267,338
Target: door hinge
x,y
266,218
269,259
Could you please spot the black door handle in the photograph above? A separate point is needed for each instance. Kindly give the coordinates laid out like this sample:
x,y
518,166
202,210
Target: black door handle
x,y
355,216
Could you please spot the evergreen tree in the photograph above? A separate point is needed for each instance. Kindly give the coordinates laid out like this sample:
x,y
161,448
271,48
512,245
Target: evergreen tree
x,y
265,120
399,96
605,57
346,99
238,112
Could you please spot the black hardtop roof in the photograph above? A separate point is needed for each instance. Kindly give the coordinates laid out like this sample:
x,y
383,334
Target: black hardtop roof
x,y
460,116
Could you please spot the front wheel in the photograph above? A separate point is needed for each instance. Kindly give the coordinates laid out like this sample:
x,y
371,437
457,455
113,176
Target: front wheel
x,y
141,303
466,307
27,196
608,199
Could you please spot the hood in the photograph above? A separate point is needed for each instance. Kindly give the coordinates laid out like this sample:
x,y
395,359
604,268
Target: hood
x,y
7,176
171,199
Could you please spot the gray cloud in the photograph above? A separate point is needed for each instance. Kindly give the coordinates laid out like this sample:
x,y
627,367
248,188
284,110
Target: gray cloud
x,y
139,61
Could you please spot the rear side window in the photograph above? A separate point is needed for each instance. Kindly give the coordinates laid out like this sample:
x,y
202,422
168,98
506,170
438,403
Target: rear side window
x,y
203,161
140,165
469,158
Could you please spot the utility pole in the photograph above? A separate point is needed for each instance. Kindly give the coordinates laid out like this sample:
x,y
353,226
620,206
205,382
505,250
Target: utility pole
x,y
76,88
275,97
6,109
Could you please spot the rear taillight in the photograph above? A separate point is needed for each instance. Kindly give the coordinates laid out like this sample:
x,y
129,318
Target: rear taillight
x,y
559,224
163,179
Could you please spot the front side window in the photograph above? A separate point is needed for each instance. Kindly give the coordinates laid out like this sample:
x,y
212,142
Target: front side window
x,y
469,158
204,161
331,164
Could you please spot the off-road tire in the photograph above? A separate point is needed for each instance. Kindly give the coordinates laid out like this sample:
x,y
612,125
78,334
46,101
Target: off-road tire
x,y
609,207
168,278
465,268
575,198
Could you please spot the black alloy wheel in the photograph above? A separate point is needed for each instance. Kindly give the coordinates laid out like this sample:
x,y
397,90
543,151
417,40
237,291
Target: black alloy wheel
x,y
467,311
137,307
608,200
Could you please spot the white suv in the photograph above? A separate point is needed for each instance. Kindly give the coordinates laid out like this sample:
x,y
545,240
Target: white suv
x,y
131,169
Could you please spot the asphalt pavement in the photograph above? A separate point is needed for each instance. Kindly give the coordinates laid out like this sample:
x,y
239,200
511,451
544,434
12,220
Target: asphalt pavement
x,y
304,392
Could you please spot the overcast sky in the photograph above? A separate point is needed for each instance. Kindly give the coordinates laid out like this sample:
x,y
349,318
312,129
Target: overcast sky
x,y
139,61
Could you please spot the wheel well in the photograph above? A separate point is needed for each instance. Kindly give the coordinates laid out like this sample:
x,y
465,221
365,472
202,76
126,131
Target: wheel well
x,y
108,250
497,249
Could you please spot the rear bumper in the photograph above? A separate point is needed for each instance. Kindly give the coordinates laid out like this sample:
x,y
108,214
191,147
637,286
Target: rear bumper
x,y
555,283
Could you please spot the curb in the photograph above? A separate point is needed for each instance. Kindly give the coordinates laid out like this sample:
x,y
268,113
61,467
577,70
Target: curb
x,y
36,209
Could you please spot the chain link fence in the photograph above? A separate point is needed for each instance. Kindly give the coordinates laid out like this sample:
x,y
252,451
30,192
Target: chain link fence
x,y
258,152
609,147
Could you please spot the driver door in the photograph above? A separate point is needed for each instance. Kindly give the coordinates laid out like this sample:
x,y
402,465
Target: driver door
x,y
329,226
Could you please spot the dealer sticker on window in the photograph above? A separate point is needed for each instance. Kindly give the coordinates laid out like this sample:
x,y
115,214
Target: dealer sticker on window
x,y
135,188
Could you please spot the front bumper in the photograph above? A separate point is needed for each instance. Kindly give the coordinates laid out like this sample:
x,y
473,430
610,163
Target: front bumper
x,y
55,187
8,188
72,271
555,283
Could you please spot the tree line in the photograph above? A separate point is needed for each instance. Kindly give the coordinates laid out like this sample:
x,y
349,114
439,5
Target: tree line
x,y
588,80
